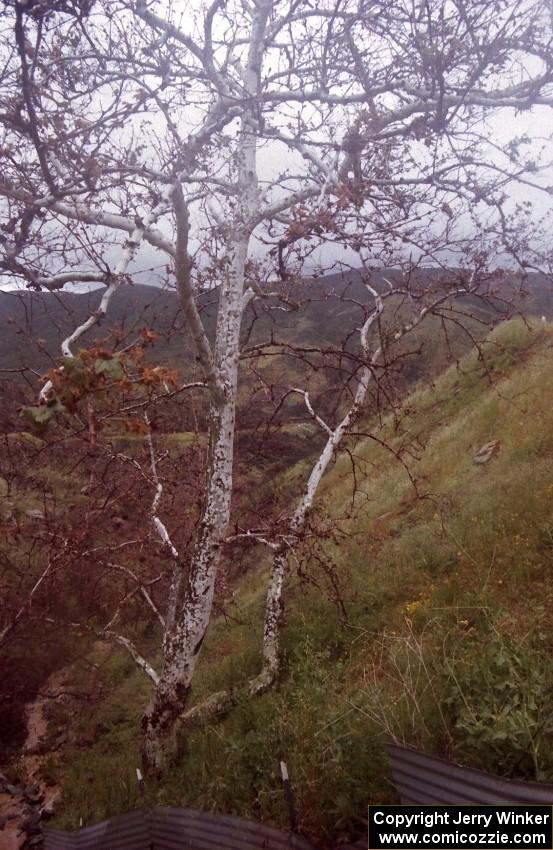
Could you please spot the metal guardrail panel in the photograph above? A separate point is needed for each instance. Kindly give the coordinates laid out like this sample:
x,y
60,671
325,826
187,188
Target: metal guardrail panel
x,y
421,779
208,831
125,832
174,829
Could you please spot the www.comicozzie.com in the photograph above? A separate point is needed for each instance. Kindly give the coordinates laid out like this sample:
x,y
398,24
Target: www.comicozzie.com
x,y
460,827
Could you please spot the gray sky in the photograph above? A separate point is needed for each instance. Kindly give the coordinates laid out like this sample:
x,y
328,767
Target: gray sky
x,y
505,124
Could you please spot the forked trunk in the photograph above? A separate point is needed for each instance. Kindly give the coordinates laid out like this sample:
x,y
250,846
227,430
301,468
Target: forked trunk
x,y
159,726
183,644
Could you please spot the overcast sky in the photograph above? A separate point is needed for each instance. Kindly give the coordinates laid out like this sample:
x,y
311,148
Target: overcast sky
x,y
537,123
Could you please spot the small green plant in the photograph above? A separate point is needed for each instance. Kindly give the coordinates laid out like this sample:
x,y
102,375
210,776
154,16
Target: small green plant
x,y
501,705
480,697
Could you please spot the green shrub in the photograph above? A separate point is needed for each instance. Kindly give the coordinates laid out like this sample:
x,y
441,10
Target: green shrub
x,y
501,706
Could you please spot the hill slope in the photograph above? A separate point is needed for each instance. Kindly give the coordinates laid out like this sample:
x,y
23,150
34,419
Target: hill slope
x,y
447,634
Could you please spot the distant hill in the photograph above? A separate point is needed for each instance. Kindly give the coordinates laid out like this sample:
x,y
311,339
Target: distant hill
x,y
33,324
320,318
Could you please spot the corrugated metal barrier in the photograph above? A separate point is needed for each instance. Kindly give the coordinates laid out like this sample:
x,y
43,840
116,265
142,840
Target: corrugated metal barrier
x,y
174,829
418,778
421,779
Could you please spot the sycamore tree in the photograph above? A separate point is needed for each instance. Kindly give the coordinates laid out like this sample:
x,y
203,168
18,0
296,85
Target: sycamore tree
x,y
244,144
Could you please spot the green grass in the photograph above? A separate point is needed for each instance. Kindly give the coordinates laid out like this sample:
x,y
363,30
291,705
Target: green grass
x,y
427,578
170,440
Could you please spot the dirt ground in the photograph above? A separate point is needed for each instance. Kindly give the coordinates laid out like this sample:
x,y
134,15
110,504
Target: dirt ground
x,y
14,807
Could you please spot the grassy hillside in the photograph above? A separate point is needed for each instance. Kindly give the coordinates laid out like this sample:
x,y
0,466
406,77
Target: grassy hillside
x,y
447,639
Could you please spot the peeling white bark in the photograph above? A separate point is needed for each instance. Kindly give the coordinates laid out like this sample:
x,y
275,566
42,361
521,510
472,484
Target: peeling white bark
x,y
176,573
312,413
273,604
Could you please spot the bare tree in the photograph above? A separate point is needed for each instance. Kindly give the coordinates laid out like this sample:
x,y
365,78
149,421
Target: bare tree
x,y
241,144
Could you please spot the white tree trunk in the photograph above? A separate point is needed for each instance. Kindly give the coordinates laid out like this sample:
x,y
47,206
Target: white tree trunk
x,y
183,644
274,602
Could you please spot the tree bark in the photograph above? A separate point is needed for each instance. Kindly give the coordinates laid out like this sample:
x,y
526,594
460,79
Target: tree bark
x,y
183,643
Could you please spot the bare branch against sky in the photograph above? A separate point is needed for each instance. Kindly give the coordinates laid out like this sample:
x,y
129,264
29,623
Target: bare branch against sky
x,y
120,109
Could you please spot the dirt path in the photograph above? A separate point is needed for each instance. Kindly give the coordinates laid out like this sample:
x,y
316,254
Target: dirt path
x,y
31,795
